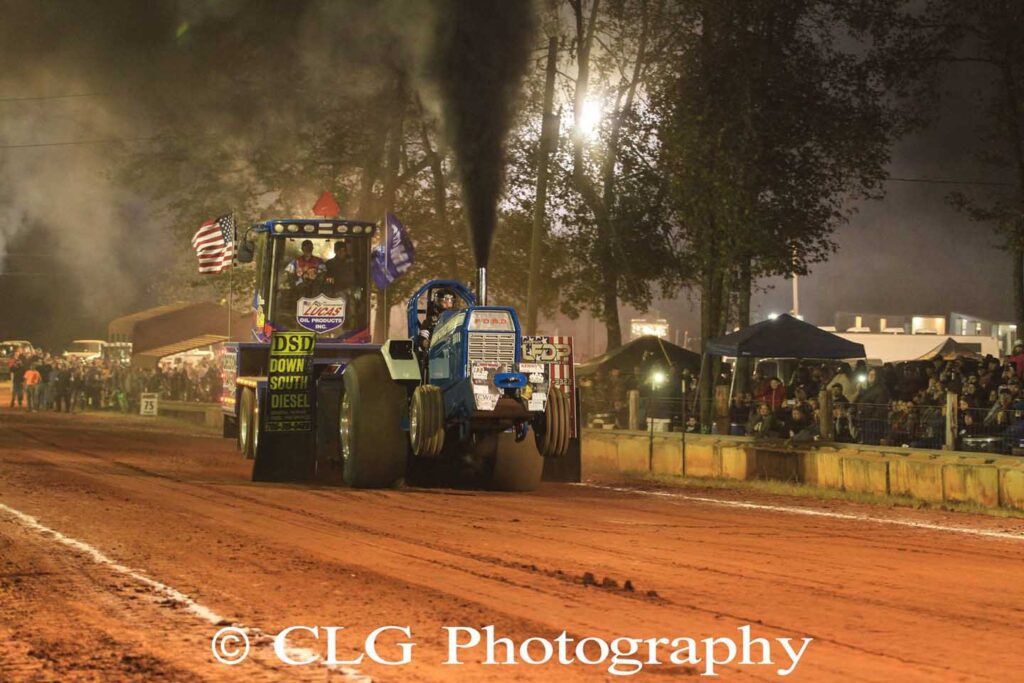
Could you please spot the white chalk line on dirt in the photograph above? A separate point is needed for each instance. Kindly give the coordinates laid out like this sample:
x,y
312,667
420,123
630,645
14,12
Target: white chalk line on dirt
x,y
203,612
812,513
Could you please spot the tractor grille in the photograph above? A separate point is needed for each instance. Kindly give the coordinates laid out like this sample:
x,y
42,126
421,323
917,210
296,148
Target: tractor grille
x,y
492,348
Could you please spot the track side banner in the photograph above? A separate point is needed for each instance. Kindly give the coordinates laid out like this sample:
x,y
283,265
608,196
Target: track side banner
x,y
289,406
554,357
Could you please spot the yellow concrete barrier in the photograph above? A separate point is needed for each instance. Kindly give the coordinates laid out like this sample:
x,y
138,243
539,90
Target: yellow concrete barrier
x,y
865,472
916,476
823,468
635,454
737,462
931,476
1011,485
701,460
667,454
971,484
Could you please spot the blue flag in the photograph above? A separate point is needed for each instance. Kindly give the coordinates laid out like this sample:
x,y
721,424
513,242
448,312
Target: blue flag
x,y
394,257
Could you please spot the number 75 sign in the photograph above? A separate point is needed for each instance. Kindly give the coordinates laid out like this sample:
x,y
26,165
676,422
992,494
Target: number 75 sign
x,y
149,404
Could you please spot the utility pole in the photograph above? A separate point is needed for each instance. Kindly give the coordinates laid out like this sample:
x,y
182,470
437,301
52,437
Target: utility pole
x,y
548,140
796,288
796,295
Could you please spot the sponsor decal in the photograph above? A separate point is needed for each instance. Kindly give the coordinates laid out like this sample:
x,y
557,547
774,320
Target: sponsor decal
x,y
290,397
321,313
485,393
554,356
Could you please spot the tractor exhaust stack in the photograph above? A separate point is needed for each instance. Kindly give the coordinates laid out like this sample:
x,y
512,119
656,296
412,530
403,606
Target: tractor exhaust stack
x,y
481,286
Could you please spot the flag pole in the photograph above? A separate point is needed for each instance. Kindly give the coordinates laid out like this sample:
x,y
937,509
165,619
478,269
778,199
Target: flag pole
x,y
231,272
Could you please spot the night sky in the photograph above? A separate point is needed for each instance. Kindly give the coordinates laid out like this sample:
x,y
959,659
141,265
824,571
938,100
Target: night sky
x,y
911,252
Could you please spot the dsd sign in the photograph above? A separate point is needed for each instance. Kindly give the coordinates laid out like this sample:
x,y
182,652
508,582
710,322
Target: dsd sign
x,y
290,382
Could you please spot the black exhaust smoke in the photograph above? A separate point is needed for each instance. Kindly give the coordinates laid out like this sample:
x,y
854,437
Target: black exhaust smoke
x,y
481,52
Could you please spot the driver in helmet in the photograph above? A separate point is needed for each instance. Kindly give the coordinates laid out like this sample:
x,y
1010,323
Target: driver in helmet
x,y
306,268
443,301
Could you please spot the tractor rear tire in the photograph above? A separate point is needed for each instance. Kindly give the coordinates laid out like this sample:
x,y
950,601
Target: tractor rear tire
x,y
374,448
247,423
518,466
426,421
565,433
554,442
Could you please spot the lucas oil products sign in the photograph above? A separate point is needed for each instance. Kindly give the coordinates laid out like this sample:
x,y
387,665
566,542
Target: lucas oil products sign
x,y
289,405
320,314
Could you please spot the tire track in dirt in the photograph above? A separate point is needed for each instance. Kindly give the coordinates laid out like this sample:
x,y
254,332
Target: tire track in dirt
x,y
259,498
326,524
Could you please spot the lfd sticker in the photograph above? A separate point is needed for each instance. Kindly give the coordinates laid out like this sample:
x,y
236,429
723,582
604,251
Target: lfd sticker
x,y
555,354
320,314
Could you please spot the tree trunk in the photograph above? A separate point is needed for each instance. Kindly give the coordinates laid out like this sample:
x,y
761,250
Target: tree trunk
x,y
1016,236
712,300
605,249
744,283
612,325
1018,288
548,131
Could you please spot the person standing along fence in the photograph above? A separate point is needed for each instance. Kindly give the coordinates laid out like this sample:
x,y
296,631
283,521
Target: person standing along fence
x,y
32,385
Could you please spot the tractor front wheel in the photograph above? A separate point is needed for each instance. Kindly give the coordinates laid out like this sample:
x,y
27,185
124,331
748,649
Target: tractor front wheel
x,y
374,447
426,421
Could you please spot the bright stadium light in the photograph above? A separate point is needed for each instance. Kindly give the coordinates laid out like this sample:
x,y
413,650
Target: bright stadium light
x,y
590,119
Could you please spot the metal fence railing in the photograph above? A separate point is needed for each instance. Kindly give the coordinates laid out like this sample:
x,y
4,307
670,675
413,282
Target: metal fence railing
x,y
929,421
997,429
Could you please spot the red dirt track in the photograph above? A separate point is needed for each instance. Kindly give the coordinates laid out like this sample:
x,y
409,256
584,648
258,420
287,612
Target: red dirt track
x,y
882,602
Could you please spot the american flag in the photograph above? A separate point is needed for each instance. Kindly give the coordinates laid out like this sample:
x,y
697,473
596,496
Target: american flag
x,y
214,243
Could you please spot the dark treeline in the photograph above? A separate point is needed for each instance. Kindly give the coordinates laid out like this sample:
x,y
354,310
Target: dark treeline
x,y
701,146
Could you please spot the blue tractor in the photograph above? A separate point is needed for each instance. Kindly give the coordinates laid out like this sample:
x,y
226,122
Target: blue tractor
x,y
452,396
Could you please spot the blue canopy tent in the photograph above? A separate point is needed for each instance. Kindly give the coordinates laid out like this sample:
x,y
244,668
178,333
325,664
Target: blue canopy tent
x,y
782,337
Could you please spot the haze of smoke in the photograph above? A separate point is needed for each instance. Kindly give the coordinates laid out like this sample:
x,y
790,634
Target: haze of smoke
x,y
144,75
171,66
75,243
477,62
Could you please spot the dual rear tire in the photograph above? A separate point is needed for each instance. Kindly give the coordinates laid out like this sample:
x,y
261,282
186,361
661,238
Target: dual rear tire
x,y
553,442
248,423
374,447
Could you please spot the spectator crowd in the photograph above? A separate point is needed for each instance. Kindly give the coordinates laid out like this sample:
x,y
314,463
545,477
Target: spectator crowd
x,y
42,381
895,404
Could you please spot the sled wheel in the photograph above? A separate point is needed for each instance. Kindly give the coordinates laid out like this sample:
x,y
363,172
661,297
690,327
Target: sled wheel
x,y
373,444
426,421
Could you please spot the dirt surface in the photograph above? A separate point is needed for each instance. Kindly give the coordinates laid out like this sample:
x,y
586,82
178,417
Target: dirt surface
x,y
165,504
